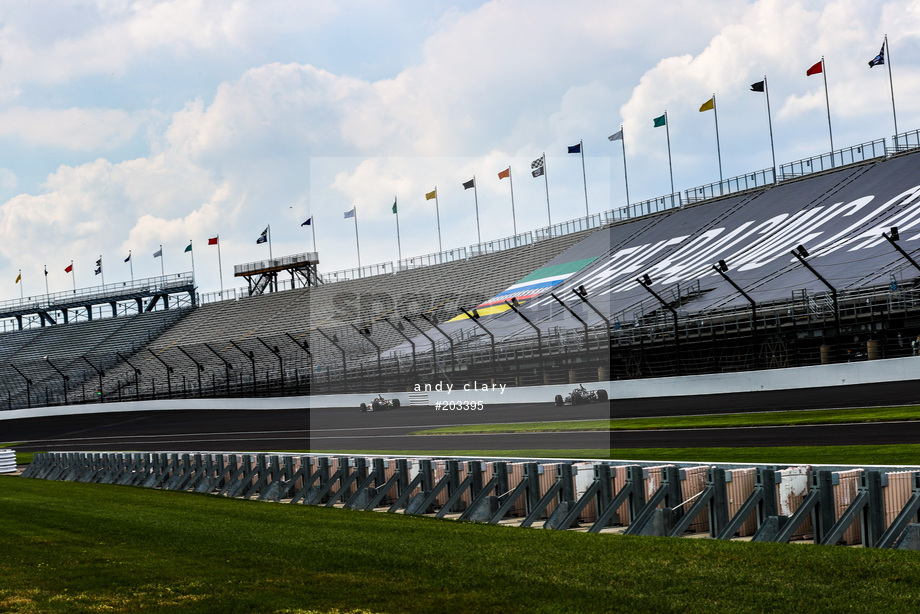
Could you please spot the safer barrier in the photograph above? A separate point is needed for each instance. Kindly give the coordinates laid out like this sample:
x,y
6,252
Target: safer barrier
x,y
875,508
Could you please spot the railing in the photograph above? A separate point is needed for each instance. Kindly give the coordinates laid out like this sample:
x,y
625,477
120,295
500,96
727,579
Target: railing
x,y
416,262
647,207
834,159
274,263
147,285
227,295
905,141
741,183
499,245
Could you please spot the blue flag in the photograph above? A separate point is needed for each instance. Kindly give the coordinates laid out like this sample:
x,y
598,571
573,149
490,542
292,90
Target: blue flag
x,y
575,148
349,214
308,222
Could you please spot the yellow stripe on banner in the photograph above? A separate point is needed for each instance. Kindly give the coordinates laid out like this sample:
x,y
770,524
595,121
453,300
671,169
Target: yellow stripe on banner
x,y
485,311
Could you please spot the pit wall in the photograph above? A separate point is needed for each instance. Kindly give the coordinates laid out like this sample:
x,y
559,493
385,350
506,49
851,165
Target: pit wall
x,y
817,376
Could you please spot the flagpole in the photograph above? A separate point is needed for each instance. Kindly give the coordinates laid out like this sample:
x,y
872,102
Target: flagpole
x,y
269,228
313,229
766,90
827,100
581,148
437,212
715,114
357,243
191,252
891,86
546,183
511,183
625,175
21,298
220,267
73,277
667,131
476,200
131,264
162,266
47,291
101,270
396,211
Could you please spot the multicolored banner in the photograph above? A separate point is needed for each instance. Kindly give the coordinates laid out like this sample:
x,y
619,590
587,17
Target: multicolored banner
x,y
538,282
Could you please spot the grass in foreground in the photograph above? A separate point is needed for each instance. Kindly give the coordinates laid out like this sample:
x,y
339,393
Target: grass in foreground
x,y
778,418
902,454
82,547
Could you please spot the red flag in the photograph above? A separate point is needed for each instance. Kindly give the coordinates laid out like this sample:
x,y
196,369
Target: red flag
x,y
212,241
814,70
505,173
69,268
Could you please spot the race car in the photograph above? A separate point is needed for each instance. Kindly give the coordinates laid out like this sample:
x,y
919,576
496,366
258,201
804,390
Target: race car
x,y
379,403
580,396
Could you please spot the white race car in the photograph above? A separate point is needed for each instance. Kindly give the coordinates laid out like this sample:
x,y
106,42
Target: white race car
x,y
581,396
379,404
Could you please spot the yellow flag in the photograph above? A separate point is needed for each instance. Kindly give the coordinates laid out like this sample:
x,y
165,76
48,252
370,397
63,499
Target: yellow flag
x,y
709,105
432,194
19,278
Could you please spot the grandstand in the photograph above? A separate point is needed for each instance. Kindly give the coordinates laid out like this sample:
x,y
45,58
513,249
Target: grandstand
x,y
767,274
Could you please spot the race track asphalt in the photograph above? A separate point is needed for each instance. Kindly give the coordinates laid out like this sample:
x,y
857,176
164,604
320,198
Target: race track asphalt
x,y
325,429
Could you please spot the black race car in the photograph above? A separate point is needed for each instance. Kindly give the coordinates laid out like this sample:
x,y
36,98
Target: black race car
x,y
379,403
580,396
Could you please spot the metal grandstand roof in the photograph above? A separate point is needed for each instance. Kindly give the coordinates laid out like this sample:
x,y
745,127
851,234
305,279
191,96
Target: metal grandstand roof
x,y
151,287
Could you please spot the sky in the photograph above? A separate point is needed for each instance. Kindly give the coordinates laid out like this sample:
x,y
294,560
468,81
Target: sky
x,y
125,126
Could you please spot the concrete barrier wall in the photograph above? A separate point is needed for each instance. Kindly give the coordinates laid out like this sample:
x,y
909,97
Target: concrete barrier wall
x,y
818,376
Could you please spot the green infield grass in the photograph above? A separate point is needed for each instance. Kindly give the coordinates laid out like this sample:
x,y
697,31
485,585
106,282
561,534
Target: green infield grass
x,y
70,547
778,418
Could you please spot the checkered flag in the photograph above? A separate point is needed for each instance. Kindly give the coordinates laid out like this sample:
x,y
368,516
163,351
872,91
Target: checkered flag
x,y
538,163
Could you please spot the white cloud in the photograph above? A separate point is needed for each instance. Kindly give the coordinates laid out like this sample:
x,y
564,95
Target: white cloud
x,y
110,37
74,129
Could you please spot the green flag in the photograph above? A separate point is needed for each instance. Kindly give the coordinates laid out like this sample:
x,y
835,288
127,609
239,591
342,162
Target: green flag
x,y
660,121
189,248
394,205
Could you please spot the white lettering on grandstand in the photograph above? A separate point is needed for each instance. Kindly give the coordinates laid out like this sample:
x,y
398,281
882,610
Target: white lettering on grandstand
x,y
753,244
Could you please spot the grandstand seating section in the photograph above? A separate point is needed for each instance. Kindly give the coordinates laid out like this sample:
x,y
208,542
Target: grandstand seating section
x,y
282,320
258,338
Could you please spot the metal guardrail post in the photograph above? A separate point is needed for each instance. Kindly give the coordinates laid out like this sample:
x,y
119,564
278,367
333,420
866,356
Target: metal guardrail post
x,y
100,374
906,516
28,386
474,318
227,366
169,371
761,500
198,367
873,517
252,360
433,321
64,378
